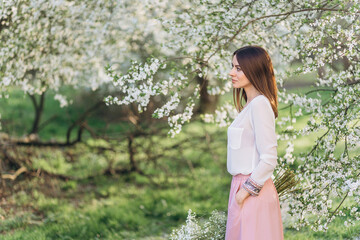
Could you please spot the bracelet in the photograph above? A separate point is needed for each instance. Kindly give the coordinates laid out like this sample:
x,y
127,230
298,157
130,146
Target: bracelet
x,y
252,187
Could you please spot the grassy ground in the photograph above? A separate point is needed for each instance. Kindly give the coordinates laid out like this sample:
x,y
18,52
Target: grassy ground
x,y
125,206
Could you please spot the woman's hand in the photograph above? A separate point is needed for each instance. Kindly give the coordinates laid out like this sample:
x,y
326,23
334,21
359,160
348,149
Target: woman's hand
x,y
240,196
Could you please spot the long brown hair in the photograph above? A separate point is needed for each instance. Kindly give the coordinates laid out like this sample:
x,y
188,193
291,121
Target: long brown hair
x,y
256,64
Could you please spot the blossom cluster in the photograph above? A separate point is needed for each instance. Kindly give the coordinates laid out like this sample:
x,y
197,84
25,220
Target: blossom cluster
x,y
213,228
137,85
223,116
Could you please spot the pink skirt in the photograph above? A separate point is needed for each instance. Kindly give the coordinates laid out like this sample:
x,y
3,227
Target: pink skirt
x,y
260,216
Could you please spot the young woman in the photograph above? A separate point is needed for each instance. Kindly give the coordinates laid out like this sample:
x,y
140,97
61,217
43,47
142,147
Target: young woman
x,y
254,208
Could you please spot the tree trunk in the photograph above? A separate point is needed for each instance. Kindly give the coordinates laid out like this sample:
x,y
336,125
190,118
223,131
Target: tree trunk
x,y
208,103
39,108
133,164
81,122
321,72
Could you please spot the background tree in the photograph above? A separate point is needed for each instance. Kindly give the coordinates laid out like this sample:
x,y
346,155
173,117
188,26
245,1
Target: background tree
x,y
57,46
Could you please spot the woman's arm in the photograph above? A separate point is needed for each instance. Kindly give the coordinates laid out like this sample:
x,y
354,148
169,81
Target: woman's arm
x,y
263,121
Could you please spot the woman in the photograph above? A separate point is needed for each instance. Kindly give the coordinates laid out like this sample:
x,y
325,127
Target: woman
x,y
254,208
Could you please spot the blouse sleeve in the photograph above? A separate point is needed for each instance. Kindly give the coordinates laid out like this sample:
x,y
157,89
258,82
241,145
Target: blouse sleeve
x,y
263,122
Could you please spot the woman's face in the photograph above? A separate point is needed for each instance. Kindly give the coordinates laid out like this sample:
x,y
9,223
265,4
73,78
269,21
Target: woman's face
x,y
239,80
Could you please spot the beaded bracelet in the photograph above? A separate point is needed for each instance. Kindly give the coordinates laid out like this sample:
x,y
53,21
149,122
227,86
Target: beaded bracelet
x,y
252,187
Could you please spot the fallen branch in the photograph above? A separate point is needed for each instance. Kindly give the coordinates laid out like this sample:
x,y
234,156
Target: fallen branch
x,y
14,176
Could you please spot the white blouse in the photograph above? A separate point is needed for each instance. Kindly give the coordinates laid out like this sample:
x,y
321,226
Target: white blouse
x,y
252,141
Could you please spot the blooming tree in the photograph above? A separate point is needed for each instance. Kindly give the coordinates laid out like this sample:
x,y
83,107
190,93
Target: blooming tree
x,y
323,35
46,45
43,46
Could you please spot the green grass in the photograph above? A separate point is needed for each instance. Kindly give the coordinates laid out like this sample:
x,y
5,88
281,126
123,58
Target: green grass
x,y
17,115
